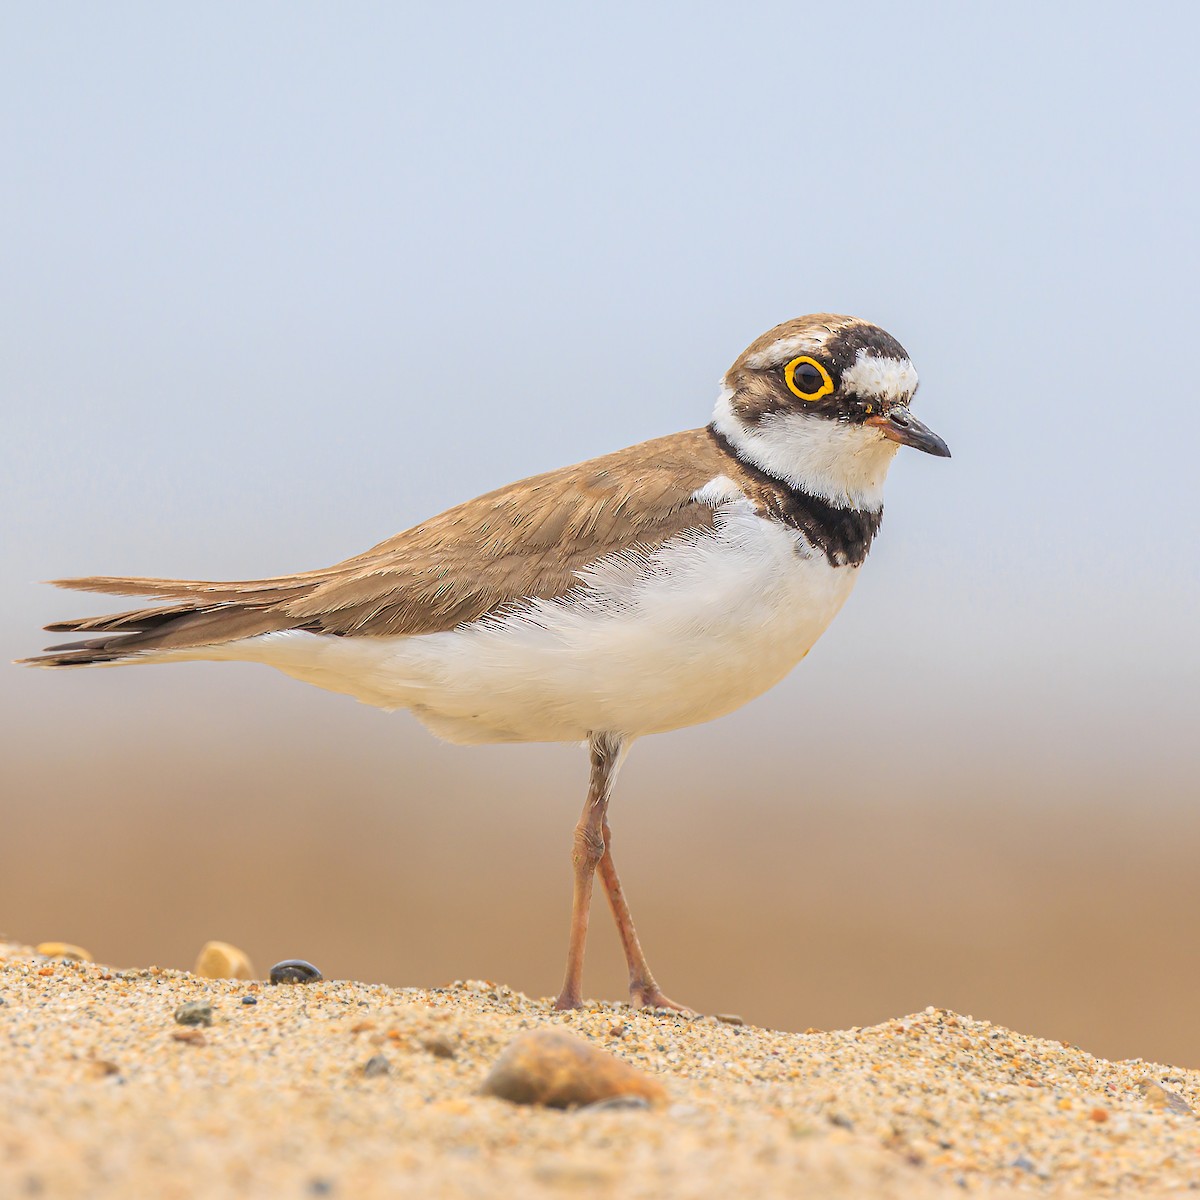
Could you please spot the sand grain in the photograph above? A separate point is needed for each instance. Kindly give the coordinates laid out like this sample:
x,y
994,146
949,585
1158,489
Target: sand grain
x,y
100,1097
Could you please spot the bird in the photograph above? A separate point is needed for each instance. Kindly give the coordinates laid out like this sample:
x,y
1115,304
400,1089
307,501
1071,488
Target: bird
x,y
653,588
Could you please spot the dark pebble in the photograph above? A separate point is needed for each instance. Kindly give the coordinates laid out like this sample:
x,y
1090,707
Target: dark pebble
x,y
295,970
249,999
194,1012
440,1046
375,1066
320,1187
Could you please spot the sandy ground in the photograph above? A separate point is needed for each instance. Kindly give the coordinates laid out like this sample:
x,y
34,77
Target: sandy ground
x,y
1049,901
103,1093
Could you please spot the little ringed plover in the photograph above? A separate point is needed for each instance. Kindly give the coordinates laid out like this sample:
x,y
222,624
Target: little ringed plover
x,y
657,587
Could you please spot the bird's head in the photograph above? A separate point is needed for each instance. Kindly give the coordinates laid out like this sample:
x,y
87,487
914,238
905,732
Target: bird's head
x,y
823,402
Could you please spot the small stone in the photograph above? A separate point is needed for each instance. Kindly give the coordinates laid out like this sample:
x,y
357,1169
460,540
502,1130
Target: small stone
x,y
294,970
249,999
573,1176
375,1066
220,960
63,950
194,1012
440,1046
617,1104
1161,1097
559,1070
729,1018
193,1037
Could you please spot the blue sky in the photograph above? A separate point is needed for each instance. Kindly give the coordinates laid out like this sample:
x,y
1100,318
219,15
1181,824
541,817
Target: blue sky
x,y
284,279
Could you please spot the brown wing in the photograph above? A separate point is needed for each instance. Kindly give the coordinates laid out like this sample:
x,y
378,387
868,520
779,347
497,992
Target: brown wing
x,y
529,539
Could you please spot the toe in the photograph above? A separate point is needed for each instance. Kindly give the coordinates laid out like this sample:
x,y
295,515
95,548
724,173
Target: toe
x,y
652,996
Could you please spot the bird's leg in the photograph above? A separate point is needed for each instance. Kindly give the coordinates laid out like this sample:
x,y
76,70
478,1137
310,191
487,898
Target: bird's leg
x,y
605,751
644,992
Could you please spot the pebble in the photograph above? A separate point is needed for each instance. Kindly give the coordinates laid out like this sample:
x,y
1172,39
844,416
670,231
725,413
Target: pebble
x,y
375,1066
63,950
295,970
249,999
1161,1097
618,1104
194,1012
559,1070
573,1177
729,1018
440,1046
220,960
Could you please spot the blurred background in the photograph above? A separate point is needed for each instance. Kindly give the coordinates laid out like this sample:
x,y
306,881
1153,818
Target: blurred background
x,y
284,279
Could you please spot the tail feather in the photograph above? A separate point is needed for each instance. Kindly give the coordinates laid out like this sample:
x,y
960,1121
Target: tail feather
x,y
208,614
263,590
136,621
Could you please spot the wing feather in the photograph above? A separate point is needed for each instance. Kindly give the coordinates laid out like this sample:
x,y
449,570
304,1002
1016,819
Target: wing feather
x,y
528,540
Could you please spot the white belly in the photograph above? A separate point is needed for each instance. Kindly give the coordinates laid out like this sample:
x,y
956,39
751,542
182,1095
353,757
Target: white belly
x,y
655,642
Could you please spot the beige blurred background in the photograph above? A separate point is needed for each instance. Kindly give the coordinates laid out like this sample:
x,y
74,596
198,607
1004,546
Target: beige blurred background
x,y
280,287
802,863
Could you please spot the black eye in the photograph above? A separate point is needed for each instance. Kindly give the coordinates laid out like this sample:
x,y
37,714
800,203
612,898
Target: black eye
x,y
807,378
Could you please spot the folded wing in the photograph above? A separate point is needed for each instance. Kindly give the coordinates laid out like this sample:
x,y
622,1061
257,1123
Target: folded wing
x,y
527,540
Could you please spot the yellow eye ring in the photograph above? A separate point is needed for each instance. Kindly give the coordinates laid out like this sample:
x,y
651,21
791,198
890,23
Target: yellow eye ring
x,y
789,377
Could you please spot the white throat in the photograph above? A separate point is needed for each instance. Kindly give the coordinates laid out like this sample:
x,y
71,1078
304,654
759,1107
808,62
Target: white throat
x,y
843,464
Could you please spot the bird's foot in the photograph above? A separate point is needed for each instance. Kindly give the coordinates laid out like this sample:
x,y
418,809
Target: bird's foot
x,y
568,1000
650,995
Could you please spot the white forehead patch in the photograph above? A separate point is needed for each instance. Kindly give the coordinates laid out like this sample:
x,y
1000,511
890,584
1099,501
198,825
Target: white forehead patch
x,y
893,379
785,349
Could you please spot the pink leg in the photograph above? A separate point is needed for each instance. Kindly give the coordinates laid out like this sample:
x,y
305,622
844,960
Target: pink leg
x,y
644,992
605,751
